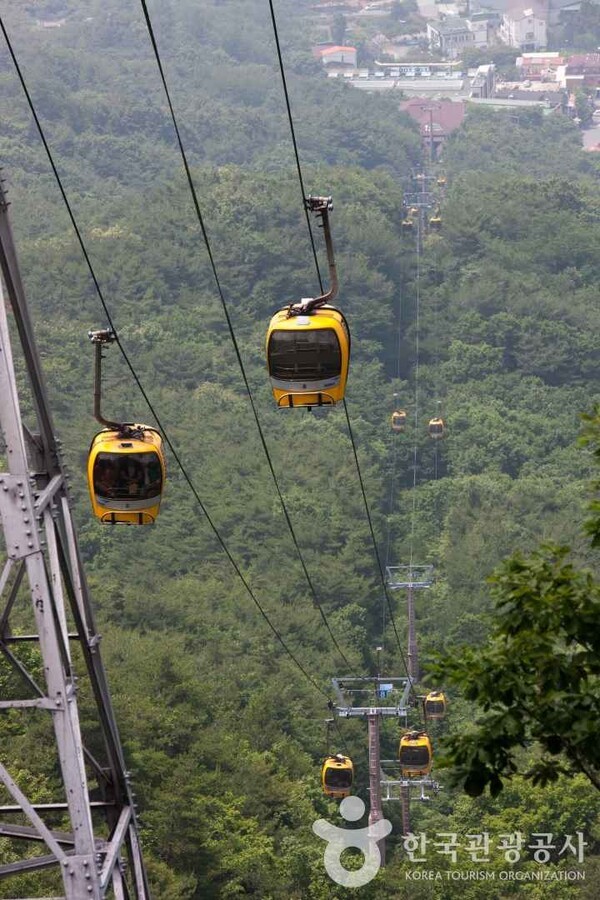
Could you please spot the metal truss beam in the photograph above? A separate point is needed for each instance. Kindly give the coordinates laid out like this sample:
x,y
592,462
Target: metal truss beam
x,y
42,552
380,687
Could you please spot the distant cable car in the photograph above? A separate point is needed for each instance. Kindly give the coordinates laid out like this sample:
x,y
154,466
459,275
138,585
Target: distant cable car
x,y
337,775
441,181
434,705
398,420
436,428
435,221
407,223
415,754
308,343
126,467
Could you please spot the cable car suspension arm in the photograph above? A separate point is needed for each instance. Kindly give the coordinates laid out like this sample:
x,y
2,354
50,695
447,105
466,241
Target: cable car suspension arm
x,y
322,206
99,338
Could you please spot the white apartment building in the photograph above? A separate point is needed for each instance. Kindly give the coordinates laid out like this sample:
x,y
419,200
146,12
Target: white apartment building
x,y
524,27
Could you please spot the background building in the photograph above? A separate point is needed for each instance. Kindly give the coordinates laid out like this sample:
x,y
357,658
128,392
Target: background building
x,y
525,27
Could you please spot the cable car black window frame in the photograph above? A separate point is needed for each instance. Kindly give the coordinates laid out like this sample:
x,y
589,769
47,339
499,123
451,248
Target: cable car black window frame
x,y
323,343
338,778
150,490
415,757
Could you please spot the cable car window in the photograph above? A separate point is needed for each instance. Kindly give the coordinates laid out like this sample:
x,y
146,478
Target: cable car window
x,y
338,778
127,476
433,707
417,757
305,355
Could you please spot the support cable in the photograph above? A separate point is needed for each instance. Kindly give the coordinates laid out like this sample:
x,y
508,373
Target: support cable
x,y
394,464
137,380
417,387
417,395
232,335
316,261
294,142
374,541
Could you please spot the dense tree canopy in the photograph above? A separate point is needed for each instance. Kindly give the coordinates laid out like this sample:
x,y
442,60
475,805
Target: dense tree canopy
x,y
222,731
536,679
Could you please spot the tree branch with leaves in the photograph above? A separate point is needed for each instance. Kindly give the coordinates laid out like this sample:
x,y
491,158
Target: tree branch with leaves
x,y
537,679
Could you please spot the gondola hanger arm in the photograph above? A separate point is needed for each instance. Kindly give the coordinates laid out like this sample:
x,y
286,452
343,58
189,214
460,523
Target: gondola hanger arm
x,y
321,206
99,339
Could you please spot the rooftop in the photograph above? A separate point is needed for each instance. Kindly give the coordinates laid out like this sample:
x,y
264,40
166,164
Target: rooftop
x,y
551,55
585,60
327,50
446,115
522,11
452,25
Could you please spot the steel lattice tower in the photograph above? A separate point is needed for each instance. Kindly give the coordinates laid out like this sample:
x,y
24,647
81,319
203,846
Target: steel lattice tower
x,y
98,856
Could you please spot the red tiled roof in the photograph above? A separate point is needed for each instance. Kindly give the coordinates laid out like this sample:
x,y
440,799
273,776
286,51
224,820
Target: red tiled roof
x,y
327,50
584,59
541,59
446,115
584,64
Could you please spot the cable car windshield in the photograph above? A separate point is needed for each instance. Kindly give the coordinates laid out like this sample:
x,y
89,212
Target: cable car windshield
x,y
305,355
432,707
417,757
127,476
338,778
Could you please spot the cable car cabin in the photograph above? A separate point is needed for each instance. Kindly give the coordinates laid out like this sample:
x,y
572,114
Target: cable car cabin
x,y
415,754
435,222
398,420
436,428
126,475
308,357
407,224
441,180
434,705
337,775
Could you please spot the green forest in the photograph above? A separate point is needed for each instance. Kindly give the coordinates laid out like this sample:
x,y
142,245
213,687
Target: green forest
x,y
495,321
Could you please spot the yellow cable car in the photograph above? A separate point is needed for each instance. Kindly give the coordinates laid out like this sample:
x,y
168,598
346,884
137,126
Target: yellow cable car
x,y
126,474
407,223
415,754
337,775
441,180
308,343
435,221
434,705
398,420
437,428
308,357
126,467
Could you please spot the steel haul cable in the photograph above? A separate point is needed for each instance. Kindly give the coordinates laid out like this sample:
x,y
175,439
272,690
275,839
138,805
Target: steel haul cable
x,y
234,341
316,262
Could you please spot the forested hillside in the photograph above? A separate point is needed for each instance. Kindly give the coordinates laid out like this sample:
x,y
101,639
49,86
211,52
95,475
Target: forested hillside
x,y
223,733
